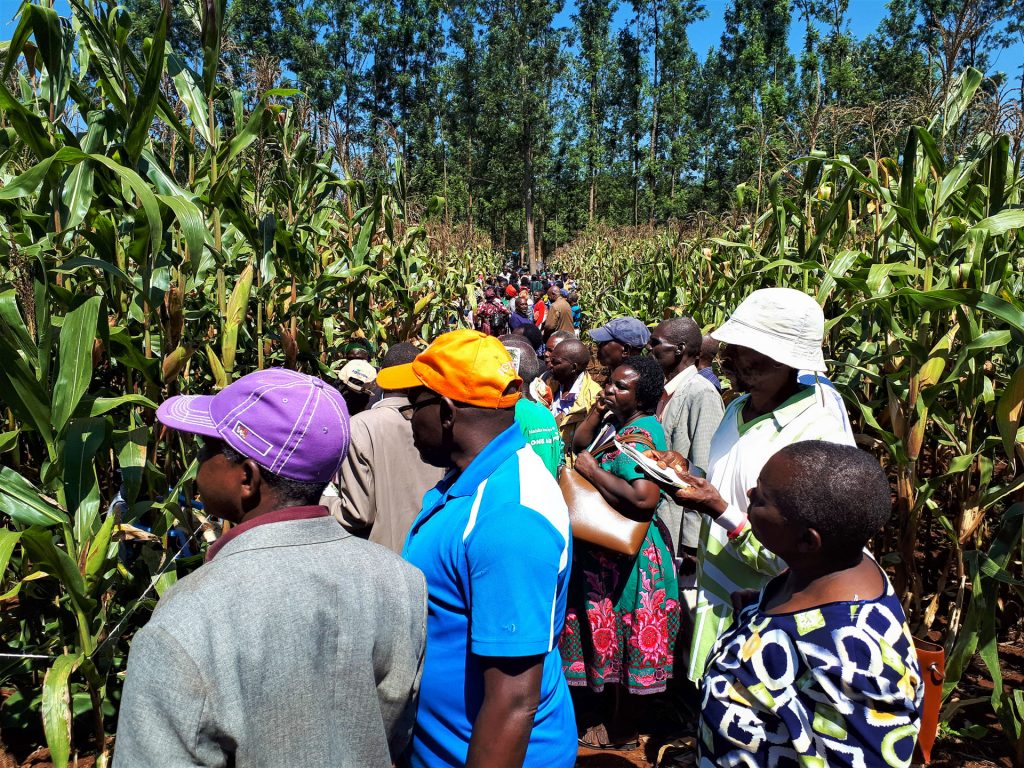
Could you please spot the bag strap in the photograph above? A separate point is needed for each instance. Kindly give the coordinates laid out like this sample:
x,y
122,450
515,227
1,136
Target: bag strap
x,y
631,437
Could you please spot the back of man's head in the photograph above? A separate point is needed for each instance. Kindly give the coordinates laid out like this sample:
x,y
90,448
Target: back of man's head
x,y
683,331
402,353
524,356
708,351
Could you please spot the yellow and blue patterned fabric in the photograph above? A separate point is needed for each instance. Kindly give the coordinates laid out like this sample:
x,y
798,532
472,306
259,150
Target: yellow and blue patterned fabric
x,y
837,685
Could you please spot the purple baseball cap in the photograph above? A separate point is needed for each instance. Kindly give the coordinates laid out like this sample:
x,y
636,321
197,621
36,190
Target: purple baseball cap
x,y
291,424
625,330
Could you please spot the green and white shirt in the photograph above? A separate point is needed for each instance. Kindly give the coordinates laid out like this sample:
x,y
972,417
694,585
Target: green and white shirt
x,y
738,453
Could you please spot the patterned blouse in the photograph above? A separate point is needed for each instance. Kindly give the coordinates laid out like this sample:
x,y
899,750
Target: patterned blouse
x,y
836,685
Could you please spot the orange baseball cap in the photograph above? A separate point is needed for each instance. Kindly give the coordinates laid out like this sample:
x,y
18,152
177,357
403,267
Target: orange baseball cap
x,y
467,366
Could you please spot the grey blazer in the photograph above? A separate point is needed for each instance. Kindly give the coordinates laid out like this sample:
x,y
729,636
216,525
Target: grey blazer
x,y
298,644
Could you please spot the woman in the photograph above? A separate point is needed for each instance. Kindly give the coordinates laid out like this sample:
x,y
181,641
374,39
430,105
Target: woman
x,y
821,668
492,316
623,612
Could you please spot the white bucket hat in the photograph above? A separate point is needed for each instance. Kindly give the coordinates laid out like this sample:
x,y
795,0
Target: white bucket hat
x,y
781,323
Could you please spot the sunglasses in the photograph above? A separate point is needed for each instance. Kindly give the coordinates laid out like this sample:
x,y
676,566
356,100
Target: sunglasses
x,y
408,410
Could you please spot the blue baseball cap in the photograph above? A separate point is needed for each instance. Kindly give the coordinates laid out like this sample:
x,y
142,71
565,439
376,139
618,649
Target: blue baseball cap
x,y
625,330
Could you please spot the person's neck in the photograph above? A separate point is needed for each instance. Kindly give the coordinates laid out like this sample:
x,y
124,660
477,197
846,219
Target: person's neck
x,y
761,403
624,419
809,585
681,366
473,446
265,506
566,385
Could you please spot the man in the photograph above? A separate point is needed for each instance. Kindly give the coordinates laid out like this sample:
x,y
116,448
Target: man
x,y
571,392
559,314
690,411
577,311
709,347
493,540
296,643
773,334
553,341
357,348
618,339
522,315
357,377
369,500
536,422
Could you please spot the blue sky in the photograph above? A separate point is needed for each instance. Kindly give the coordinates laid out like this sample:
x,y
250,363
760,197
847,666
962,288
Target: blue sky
x,y
863,16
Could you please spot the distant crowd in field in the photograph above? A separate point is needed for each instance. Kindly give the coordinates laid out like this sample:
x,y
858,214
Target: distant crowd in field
x,y
483,551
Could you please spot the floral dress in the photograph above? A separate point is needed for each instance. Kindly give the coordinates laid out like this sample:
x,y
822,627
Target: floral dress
x,y
623,613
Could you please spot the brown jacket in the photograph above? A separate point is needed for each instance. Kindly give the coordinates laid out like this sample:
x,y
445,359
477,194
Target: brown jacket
x,y
382,479
559,317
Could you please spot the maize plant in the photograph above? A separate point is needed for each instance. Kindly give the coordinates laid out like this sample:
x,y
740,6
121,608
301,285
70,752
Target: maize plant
x,y
918,262
160,232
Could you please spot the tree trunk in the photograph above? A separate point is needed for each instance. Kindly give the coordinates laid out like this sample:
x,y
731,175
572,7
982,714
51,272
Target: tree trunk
x,y
654,115
531,245
591,160
469,182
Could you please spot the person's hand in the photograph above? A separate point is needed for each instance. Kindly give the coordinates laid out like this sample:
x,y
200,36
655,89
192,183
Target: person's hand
x,y
742,598
586,464
701,495
601,404
670,460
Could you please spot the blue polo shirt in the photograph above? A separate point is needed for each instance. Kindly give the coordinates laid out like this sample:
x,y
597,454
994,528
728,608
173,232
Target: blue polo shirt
x,y
494,545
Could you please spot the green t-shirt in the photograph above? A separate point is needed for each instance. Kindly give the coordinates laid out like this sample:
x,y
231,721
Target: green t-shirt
x,y
541,433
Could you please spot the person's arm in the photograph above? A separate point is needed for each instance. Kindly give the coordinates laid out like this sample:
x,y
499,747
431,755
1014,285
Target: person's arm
x,y
635,499
518,560
356,507
703,419
161,717
703,497
502,729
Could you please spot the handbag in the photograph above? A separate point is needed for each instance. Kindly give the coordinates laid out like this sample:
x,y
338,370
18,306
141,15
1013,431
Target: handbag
x,y
932,659
593,519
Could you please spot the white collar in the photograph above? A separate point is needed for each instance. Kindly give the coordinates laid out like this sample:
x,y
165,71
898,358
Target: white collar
x,y
672,385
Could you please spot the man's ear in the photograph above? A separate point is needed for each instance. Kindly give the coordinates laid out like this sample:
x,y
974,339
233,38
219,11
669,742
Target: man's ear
x,y
252,483
448,412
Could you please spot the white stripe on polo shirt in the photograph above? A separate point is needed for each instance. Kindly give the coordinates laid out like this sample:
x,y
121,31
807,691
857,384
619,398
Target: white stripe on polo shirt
x,y
475,510
535,484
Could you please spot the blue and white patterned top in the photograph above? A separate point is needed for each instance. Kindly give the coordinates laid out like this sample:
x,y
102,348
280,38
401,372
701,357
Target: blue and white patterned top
x,y
836,685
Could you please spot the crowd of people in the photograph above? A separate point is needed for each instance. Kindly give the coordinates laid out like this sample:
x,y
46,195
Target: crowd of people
x,y
473,628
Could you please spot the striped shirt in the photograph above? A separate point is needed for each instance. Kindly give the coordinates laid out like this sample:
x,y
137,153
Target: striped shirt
x,y
738,453
690,412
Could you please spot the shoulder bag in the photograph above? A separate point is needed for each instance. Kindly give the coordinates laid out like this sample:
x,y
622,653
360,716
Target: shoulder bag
x,y
592,518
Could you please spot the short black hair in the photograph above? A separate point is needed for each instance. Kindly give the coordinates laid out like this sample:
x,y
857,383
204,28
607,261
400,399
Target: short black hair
x,y
532,334
529,363
402,353
297,493
838,490
651,383
683,330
